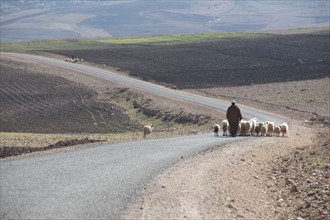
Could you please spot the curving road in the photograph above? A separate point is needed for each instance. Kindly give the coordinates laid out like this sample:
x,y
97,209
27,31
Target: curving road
x,y
99,182
148,87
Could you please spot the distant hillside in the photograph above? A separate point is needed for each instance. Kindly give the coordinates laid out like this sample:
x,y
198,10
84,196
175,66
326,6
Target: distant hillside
x,y
26,20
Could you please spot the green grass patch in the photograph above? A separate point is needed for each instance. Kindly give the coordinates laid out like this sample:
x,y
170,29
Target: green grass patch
x,y
97,43
176,38
74,44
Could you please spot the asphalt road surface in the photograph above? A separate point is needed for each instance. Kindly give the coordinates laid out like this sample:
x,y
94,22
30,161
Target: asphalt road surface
x,y
99,182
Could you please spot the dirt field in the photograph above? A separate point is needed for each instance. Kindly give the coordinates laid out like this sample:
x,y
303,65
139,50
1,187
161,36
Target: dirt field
x,y
70,109
223,63
35,99
267,178
300,100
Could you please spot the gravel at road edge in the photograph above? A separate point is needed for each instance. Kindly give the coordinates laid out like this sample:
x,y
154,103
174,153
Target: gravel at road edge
x,y
228,182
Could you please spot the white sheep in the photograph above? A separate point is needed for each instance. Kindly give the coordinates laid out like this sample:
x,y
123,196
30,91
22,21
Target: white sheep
x,y
257,130
73,60
147,130
248,128
254,125
277,130
243,129
216,129
263,130
271,126
284,129
225,127
258,127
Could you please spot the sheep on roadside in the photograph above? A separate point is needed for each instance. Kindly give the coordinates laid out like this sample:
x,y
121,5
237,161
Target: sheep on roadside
x,y
284,129
242,130
257,130
254,124
216,129
238,129
263,130
225,127
248,128
270,129
147,130
277,130
258,127
73,60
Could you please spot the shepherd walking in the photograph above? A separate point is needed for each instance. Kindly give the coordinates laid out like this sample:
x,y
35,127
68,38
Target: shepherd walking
x,y
234,116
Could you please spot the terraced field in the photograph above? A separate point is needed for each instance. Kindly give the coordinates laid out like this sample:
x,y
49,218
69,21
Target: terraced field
x,y
39,102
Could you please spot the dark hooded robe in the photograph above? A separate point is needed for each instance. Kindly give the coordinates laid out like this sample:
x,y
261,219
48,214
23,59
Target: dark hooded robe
x,y
234,116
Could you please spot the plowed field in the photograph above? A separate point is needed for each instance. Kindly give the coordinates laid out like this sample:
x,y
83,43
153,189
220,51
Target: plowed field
x,y
223,63
37,102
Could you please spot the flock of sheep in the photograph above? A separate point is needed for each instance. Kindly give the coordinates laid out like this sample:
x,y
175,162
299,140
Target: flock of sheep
x,y
74,60
245,128
253,127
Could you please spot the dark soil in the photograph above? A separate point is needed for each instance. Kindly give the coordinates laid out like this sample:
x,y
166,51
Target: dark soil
x,y
223,63
41,102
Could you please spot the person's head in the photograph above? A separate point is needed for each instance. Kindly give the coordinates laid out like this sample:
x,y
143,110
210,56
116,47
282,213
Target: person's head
x,y
233,102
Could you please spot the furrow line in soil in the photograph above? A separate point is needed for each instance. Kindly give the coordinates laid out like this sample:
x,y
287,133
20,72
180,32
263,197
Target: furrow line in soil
x,y
74,114
46,108
120,126
24,88
84,109
26,101
29,98
33,108
93,109
16,99
5,97
65,110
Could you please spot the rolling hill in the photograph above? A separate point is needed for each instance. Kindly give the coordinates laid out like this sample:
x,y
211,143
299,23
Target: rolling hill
x,y
27,20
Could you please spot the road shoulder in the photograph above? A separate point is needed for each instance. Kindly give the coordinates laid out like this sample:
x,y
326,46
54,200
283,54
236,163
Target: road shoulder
x,y
231,181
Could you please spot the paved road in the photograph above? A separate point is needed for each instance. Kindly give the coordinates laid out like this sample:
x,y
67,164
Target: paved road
x,y
98,182
149,87
93,183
